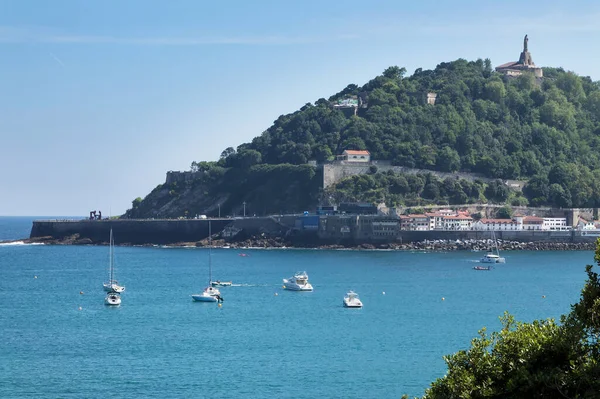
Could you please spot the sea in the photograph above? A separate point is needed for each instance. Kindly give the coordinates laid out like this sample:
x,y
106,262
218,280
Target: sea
x,y
59,340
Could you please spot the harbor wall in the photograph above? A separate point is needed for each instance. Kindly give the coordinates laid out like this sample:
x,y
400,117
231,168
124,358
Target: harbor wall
x,y
139,232
135,232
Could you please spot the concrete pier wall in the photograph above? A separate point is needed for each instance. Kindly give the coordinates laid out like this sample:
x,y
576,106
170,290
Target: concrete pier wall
x,y
130,231
140,232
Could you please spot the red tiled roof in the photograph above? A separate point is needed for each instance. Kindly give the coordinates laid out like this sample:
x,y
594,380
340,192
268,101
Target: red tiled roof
x,y
459,217
533,220
357,152
499,221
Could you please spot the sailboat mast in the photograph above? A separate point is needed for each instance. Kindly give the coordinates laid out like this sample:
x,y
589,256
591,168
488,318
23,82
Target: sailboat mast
x,y
111,272
209,253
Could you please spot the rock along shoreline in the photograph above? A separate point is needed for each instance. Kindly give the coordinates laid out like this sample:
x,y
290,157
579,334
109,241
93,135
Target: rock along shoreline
x,y
280,243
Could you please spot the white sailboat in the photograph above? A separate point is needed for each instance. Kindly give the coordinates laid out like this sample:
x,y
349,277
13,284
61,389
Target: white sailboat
x,y
210,293
113,299
112,285
492,257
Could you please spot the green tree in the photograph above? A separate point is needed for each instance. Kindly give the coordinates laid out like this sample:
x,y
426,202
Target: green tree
x,y
448,160
505,212
541,359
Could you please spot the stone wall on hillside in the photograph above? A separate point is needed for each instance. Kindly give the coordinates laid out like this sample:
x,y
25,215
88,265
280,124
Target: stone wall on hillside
x,y
338,170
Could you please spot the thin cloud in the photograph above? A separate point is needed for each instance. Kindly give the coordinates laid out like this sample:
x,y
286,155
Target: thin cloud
x,y
57,59
20,35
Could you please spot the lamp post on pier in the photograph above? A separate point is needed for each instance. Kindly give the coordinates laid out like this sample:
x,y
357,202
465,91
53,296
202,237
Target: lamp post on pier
x,y
244,208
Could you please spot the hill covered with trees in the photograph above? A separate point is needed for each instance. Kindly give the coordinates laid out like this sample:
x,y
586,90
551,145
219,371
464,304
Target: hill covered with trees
x,y
546,131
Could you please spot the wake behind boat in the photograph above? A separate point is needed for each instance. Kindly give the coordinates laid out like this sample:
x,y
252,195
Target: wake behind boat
x,y
299,282
220,283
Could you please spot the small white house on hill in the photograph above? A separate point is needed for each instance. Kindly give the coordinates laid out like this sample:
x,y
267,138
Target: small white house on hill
x,y
357,156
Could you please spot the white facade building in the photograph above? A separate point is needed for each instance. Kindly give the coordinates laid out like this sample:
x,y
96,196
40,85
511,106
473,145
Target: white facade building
x,y
496,225
555,224
460,222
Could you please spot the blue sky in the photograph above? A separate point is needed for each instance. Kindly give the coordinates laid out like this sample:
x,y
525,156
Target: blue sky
x,y
98,99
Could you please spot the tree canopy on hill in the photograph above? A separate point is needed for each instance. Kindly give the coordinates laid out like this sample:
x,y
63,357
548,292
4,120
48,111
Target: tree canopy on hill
x,y
546,131
541,359
507,128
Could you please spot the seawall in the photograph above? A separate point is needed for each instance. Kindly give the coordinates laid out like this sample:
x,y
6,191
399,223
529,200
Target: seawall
x,y
136,232
162,232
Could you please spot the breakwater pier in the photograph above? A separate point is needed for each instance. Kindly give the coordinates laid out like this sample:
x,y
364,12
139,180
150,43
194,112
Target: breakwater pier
x,y
278,231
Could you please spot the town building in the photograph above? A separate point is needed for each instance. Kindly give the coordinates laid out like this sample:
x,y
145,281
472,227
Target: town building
x,y
405,222
418,222
436,219
555,224
525,64
496,225
385,227
431,98
362,156
532,223
357,208
583,224
458,222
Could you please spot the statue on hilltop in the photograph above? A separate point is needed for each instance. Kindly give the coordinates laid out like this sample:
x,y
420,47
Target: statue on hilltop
x,y
525,40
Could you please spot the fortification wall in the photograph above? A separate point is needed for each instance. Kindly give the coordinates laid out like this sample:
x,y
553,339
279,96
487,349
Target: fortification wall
x,y
334,172
159,231
129,231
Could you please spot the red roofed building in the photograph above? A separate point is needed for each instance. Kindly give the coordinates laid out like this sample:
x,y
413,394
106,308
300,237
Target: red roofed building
x,y
459,222
357,156
497,225
532,223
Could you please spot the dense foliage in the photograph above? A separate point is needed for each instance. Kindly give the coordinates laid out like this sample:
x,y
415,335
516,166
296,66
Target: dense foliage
x,y
400,189
546,129
542,359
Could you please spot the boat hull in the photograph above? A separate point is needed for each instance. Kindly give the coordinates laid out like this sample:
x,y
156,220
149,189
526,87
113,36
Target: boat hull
x,y
295,287
112,300
492,260
204,298
352,304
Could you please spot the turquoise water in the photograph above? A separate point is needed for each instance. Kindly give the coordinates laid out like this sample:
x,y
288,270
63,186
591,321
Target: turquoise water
x,y
159,343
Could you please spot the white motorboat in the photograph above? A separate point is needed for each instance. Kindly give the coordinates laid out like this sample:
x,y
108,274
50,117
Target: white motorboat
x,y
219,283
210,293
299,282
112,299
112,285
351,300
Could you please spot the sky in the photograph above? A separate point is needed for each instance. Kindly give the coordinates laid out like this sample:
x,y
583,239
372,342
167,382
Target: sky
x,y
100,98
